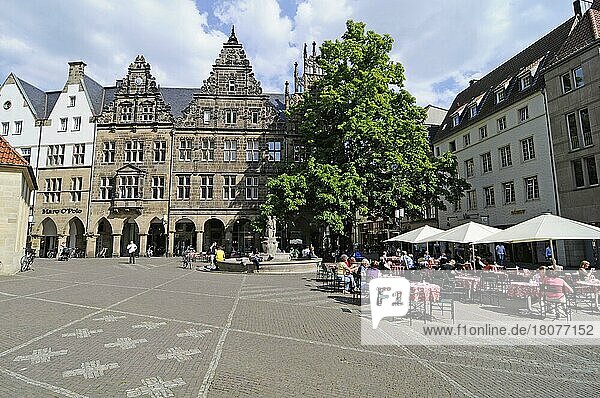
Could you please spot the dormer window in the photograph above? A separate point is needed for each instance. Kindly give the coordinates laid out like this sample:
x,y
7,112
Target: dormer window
x,y
526,81
231,86
147,112
126,112
455,120
473,111
500,95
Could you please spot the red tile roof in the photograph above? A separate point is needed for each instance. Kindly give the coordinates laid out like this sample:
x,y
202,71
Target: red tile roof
x,y
9,155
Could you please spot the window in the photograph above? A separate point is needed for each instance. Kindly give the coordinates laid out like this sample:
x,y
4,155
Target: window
x,y
452,146
5,128
126,113
509,192
147,112
486,162
78,154
578,173
501,123
526,81
63,123
467,139
53,188
229,150
230,117
523,114
592,171
252,151
274,151
18,127
71,101
184,186
206,187
160,151
528,149
134,151
77,123
76,191
229,187
586,129
469,168
231,86
108,152
455,120
185,149
299,153
532,189
505,156
207,150
158,187
473,111
572,128
251,188
106,188
472,200
578,77
490,199
500,95
206,117
129,187
255,117
566,83
26,153
56,155
437,151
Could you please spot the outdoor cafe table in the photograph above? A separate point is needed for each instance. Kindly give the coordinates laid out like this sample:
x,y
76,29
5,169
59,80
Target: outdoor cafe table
x,y
591,287
423,291
468,282
526,290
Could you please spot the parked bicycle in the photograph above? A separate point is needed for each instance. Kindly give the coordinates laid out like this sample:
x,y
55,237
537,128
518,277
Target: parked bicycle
x,y
27,260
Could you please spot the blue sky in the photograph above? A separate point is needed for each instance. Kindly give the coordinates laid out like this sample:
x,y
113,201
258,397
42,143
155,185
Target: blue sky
x,y
442,43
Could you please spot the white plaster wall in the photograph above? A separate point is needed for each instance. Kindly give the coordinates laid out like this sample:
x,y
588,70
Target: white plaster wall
x,y
14,212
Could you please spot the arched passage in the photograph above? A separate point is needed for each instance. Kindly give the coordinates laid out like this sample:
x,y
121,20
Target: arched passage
x,y
131,232
75,237
185,236
157,239
242,236
104,241
214,231
49,238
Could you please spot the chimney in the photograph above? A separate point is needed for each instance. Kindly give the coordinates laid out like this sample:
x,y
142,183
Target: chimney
x,y
76,70
473,81
577,8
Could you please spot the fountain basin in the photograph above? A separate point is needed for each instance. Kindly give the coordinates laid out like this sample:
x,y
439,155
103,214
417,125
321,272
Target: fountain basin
x,y
274,266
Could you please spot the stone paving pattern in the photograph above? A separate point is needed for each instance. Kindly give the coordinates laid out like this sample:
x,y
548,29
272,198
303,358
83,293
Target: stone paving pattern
x,y
195,334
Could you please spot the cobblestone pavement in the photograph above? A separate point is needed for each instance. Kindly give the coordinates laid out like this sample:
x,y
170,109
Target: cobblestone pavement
x,y
103,328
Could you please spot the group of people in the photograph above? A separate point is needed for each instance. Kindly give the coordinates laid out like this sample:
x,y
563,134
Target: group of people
x,y
351,271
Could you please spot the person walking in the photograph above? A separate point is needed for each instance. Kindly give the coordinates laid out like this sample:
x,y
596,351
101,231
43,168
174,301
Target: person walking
x,y
212,251
131,249
500,253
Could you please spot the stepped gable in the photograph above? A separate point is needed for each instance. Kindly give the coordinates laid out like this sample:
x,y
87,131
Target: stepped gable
x,y
481,92
137,88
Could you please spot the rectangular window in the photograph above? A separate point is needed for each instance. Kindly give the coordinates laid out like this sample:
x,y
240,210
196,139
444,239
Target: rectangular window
x,y
501,123
252,152
578,173
592,171
586,129
185,149
147,112
78,154
129,187
254,117
76,189
467,139
483,132
469,168
523,114
526,81
532,189
473,111
18,127
566,83
5,128
578,77
160,151
26,153
509,192
158,187
230,117
229,187
455,120
486,162
528,149
207,150
184,186
229,150
108,152
231,86
500,96
77,123
572,129
452,146
505,156
206,187
437,151
126,113
134,152
53,188
63,124
251,188
299,153
71,101
206,117
106,188
472,200
274,151
56,155
490,199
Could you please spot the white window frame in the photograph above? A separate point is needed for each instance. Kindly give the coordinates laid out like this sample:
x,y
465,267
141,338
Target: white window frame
x,y
129,187
18,127
251,187
206,186
229,184
469,168
158,187
467,139
526,81
486,163
505,156
533,183
106,188
78,154
76,123
64,124
159,154
472,199
230,150
52,190
72,100
500,95
473,111
490,196
206,117
508,189
483,133
588,139
562,82
501,123
26,154
134,151
207,150
455,120
230,116
185,149
523,114
76,189
274,150
184,186
527,149
574,72
55,155
108,152
252,150
5,128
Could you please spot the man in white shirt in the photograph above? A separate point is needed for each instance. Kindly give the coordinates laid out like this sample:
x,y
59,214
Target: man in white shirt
x,y
131,249
500,253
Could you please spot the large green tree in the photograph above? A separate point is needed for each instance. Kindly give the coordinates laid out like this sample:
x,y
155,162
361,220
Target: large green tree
x,y
367,149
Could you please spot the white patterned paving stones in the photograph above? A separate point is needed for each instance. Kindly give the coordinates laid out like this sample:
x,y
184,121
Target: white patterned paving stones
x,y
90,370
110,318
194,333
126,343
156,387
149,325
82,333
178,354
40,356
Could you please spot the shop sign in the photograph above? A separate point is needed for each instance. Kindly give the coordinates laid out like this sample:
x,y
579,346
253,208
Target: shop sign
x,y
65,210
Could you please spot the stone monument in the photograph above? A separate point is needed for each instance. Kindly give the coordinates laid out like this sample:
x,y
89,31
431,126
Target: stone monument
x,y
270,244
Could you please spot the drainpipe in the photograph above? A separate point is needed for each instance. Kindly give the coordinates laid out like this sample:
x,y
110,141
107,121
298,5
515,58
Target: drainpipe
x,y
168,226
89,205
552,161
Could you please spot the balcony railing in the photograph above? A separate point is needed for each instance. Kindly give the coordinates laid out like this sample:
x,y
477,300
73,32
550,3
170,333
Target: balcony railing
x,y
127,205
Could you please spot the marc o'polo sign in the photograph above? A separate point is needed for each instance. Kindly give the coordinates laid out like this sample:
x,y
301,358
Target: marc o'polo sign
x,y
62,211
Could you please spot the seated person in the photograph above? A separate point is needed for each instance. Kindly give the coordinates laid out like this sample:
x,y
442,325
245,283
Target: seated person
x,y
554,265
540,275
584,270
344,272
373,271
556,287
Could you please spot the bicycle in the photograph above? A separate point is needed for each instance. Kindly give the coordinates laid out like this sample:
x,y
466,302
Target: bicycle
x,y
27,260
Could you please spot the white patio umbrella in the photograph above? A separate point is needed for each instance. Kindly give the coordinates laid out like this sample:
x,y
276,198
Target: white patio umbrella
x,y
416,235
470,233
545,227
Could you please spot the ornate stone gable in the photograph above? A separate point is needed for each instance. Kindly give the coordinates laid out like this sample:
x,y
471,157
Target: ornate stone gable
x,y
137,99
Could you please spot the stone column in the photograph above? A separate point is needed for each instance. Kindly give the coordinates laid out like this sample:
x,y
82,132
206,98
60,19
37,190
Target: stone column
x,y
143,245
228,238
116,245
199,240
90,246
61,240
171,244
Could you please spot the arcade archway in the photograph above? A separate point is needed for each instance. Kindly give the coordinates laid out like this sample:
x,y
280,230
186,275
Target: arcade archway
x,y
75,238
157,239
104,241
49,238
242,236
214,231
185,236
131,232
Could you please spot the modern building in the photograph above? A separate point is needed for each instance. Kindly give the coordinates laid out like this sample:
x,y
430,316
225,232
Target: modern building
x,y
18,182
